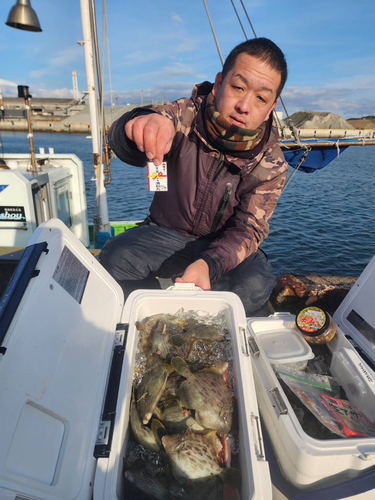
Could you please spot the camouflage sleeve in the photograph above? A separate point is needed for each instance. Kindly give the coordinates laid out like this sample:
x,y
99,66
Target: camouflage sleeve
x,y
249,225
125,149
178,111
181,112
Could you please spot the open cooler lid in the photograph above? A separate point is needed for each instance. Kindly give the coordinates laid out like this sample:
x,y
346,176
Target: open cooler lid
x,y
58,322
356,314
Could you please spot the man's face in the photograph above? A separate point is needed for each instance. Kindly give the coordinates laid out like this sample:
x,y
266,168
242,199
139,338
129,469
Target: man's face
x,y
247,95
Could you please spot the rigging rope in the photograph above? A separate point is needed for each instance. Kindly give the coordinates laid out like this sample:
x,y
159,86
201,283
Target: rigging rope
x,y
251,26
214,34
239,20
288,119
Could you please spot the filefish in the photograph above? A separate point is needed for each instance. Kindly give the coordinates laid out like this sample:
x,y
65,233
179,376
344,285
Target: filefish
x,y
165,340
178,419
151,387
203,331
149,438
156,487
193,459
191,456
207,393
195,332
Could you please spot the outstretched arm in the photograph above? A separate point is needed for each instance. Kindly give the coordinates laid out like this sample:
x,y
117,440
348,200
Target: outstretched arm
x,y
153,134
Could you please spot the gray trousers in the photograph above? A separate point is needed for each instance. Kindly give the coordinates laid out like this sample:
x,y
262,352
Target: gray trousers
x,y
138,256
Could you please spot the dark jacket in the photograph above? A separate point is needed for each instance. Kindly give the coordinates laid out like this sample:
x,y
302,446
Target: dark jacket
x,y
211,192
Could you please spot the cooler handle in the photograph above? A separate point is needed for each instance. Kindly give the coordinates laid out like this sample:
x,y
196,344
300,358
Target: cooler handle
x,y
13,294
183,287
259,451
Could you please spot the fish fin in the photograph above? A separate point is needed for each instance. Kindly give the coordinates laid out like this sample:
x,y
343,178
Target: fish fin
x,y
157,412
177,340
158,430
191,347
232,477
180,366
169,369
193,425
211,369
142,397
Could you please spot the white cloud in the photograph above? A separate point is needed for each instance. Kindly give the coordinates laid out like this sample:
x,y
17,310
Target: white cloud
x,y
64,58
347,97
187,45
177,69
8,88
8,83
176,18
142,56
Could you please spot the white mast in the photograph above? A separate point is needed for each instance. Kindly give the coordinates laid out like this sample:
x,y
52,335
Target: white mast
x,y
102,224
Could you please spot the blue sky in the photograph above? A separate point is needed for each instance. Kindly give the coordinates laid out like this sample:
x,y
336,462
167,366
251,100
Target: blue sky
x,y
165,46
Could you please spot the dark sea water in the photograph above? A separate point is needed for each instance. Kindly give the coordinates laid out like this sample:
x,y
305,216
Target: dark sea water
x,y
324,222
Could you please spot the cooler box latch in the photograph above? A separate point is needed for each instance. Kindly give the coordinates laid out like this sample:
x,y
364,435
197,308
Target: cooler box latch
x,y
105,431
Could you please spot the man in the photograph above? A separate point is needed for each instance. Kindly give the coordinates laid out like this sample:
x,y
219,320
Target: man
x,y
225,174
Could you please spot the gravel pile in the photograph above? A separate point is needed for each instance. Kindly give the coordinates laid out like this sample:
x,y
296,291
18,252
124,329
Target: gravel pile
x,y
311,119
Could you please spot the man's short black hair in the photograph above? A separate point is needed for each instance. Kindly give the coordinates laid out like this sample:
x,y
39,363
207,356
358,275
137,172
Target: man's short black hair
x,y
265,50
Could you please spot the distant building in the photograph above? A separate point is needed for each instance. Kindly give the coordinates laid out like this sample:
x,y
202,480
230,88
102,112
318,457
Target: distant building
x,y
42,108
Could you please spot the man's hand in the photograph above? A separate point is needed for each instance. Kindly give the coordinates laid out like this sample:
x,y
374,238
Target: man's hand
x,y
198,273
153,135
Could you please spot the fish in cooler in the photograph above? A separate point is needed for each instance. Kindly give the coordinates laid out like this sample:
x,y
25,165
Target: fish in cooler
x,y
207,393
182,410
151,387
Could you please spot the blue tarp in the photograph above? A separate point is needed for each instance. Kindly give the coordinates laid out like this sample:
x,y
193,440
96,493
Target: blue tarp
x,y
318,157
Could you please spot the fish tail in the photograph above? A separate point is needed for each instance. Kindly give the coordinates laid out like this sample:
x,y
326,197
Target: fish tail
x,y
180,366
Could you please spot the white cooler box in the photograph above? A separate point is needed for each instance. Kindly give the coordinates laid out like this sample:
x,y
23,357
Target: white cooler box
x,y
67,347
308,463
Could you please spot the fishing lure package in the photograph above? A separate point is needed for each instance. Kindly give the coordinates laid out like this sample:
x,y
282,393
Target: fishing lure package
x,y
321,395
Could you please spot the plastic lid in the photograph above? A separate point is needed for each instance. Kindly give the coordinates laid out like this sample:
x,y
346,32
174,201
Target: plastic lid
x,y
311,321
284,346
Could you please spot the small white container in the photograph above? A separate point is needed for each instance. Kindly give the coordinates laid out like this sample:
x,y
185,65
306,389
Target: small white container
x,y
282,343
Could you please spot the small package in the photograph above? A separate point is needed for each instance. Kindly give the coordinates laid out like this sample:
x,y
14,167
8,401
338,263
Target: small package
x,y
353,423
320,394
157,176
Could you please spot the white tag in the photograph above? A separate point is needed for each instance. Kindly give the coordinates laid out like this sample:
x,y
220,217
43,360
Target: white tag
x,y
157,176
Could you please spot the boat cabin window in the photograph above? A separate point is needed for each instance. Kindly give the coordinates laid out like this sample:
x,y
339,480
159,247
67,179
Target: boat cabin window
x,y
63,206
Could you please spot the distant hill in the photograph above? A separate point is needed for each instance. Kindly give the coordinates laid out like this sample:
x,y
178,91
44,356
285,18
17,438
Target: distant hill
x,y
316,119
366,122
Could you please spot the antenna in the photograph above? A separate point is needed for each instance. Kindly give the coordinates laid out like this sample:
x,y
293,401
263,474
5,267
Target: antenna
x,y
76,92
